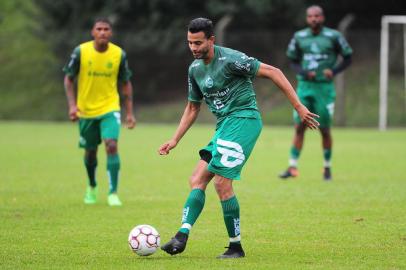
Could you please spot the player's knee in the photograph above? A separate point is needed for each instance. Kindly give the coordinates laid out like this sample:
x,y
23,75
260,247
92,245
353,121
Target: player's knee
x,y
91,156
224,188
197,182
111,147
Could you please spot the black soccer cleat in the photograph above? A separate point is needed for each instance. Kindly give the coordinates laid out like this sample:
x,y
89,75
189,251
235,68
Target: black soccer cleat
x,y
233,251
327,174
290,172
176,245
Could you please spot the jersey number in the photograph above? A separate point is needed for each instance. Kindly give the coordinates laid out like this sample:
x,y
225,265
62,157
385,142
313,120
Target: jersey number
x,y
233,152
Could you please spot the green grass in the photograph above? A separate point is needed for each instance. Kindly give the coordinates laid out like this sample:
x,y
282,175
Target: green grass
x,y
357,221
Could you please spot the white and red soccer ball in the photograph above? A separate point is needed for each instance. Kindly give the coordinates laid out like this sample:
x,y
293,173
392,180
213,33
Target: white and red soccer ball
x,y
144,240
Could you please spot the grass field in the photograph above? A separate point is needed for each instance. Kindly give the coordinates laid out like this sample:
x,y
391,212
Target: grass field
x,y
357,221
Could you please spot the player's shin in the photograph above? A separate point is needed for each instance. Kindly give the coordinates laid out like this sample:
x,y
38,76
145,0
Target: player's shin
x,y
231,213
192,209
113,168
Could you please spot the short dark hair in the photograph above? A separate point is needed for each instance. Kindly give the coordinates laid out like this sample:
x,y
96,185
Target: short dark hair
x,y
103,20
201,25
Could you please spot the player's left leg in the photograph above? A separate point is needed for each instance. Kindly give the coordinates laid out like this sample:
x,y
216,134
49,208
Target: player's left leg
x,y
327,143
233,144
231,214
110,130
325,99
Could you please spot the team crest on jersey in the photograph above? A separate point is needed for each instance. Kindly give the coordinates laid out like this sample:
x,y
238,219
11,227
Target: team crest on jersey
x,y
314,48
209,82
109,64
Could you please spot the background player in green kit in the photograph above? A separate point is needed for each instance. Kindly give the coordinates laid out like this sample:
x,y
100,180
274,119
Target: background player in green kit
x,y
223,78
99,66
313,53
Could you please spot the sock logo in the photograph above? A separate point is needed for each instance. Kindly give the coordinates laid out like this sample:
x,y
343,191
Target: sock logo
x,y
233,151
236,226
185,214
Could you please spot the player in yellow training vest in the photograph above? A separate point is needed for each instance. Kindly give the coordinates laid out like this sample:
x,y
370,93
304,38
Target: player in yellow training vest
x,y
99,66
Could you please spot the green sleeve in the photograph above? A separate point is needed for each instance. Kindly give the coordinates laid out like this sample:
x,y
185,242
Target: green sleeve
x,y
124,72
343,46
72,68
243,65
194,93
293,52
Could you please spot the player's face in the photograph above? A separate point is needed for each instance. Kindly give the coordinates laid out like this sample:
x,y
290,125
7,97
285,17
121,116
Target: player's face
x,y
199,45
102,33
315,18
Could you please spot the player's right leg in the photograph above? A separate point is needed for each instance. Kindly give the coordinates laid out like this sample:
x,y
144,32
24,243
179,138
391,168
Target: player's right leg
x,y
89,140
91,165
192,208
295,150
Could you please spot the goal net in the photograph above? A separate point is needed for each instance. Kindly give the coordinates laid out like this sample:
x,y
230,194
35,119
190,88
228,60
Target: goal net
x,y
384,65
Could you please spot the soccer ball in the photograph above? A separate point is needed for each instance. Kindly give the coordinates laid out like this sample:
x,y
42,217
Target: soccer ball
x,y
144,240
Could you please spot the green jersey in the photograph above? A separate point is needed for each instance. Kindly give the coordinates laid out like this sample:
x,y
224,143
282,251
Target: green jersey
x,y
317,52
225,83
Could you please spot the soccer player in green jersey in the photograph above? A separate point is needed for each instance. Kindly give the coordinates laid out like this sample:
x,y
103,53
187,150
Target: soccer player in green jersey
x,y
222,77
99,67
313,54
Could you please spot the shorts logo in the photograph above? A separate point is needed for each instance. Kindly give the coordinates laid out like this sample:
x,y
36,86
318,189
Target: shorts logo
x,y
209,82
232,156
82,141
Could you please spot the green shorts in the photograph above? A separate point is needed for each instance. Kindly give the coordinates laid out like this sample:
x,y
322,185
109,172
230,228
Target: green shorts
x,y
93,130
231,146
319,98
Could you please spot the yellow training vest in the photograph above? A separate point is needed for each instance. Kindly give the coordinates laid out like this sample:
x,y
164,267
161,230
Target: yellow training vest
x,y
97,81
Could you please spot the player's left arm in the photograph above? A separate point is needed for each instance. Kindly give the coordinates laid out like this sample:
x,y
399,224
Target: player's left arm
x,y
277,76
345,50
124,75
127,90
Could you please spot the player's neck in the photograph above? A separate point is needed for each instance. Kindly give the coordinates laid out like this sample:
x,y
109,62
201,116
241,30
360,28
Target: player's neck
x,y
210,56
316,30
100,47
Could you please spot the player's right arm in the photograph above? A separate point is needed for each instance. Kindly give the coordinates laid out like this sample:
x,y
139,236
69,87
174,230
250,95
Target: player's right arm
x,y
189,115
71,70
188,118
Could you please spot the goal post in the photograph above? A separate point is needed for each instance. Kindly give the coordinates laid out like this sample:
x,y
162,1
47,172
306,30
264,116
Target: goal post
x,y
384,65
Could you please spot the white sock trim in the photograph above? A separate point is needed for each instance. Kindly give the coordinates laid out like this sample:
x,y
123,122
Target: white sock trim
x,y
292,162
186,226
235,239
327,163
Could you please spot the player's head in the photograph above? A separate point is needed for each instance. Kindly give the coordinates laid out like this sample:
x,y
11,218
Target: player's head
x,y
102,31
200,37
315,17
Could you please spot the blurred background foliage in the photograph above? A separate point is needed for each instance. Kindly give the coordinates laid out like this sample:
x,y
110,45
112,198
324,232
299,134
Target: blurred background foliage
x,y
37,37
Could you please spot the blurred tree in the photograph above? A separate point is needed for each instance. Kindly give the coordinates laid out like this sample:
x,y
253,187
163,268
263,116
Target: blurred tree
x,y
27,77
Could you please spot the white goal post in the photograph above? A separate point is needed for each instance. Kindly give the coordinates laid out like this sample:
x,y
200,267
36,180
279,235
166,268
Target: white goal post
x,y
384,65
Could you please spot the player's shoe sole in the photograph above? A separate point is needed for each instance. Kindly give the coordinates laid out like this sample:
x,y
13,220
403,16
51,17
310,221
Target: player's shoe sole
x,y
290,172
176,245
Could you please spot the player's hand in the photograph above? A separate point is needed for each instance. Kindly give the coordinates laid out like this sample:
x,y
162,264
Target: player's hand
x,y
73,113
167,147
311,75
130,121
308,117
328,73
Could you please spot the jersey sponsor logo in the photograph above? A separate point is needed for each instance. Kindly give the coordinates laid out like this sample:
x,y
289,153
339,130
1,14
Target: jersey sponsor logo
x,y
232,154
99,74
209,82
221,93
